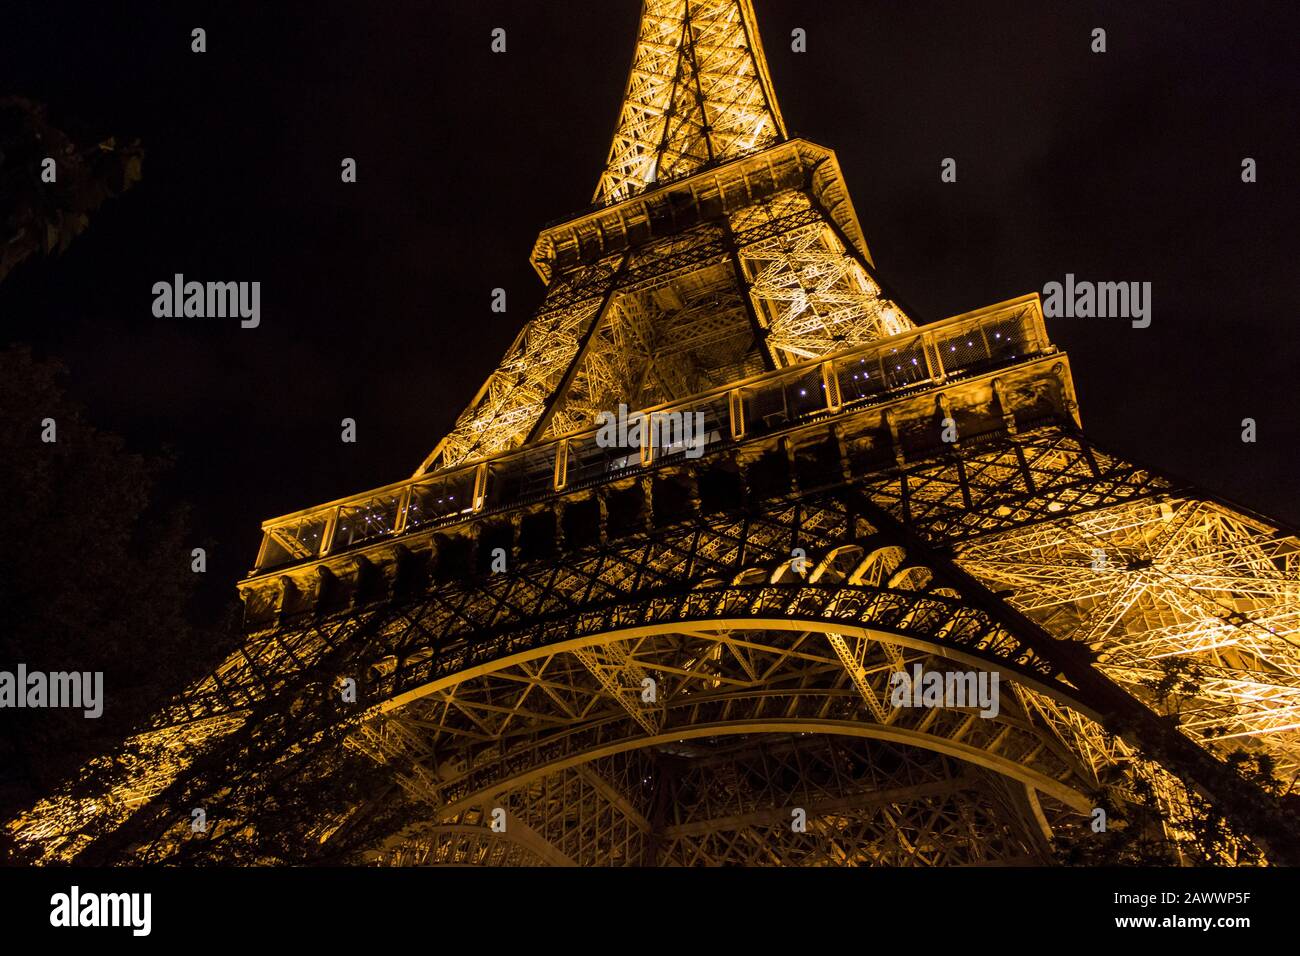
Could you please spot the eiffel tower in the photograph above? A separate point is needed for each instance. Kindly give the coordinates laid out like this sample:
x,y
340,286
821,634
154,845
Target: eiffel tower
x,y
547,647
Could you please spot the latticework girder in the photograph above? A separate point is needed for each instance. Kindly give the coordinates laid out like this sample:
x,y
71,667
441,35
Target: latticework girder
x,y
817,297
463,721
1175,581
698,93
692,311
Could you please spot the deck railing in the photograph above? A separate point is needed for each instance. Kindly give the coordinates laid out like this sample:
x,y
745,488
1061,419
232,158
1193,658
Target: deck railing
x,y
862,376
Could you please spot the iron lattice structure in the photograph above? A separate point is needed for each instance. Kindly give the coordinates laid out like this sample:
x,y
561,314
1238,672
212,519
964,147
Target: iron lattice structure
x,y
540,650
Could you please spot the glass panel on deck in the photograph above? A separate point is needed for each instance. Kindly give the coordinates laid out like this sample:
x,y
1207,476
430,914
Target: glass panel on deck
x,y
521,478
294,541
440,499
365,521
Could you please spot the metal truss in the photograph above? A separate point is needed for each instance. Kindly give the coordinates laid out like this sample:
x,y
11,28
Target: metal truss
x,y
778,281
734,803
864,805
464,844
1127,563
698,93
479,689
818,298
550,710
515,395
1179,581
686,313
719,782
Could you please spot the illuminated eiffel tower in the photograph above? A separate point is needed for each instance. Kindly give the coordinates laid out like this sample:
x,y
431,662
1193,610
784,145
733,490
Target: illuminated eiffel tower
x,y
549,648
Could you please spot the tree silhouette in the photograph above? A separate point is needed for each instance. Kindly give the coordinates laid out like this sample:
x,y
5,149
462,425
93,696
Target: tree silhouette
x,y
37,216
93,577
94,574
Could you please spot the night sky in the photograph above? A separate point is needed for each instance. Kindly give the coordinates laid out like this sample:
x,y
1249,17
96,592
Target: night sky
x,y
1123,166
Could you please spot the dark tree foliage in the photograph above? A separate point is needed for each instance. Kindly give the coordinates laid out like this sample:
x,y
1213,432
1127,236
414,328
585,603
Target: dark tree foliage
x,y
1212,840
324,804
91,579
1137,833
285,788
44,217
1134,833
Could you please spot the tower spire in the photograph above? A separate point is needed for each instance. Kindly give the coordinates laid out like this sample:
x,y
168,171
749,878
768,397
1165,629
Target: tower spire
x,y
699,92
670,291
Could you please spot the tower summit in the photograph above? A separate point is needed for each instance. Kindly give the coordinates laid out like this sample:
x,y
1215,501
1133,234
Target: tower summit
x,y
544,648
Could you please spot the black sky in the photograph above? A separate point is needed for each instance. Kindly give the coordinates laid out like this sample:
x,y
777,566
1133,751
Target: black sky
x,y
1123,166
